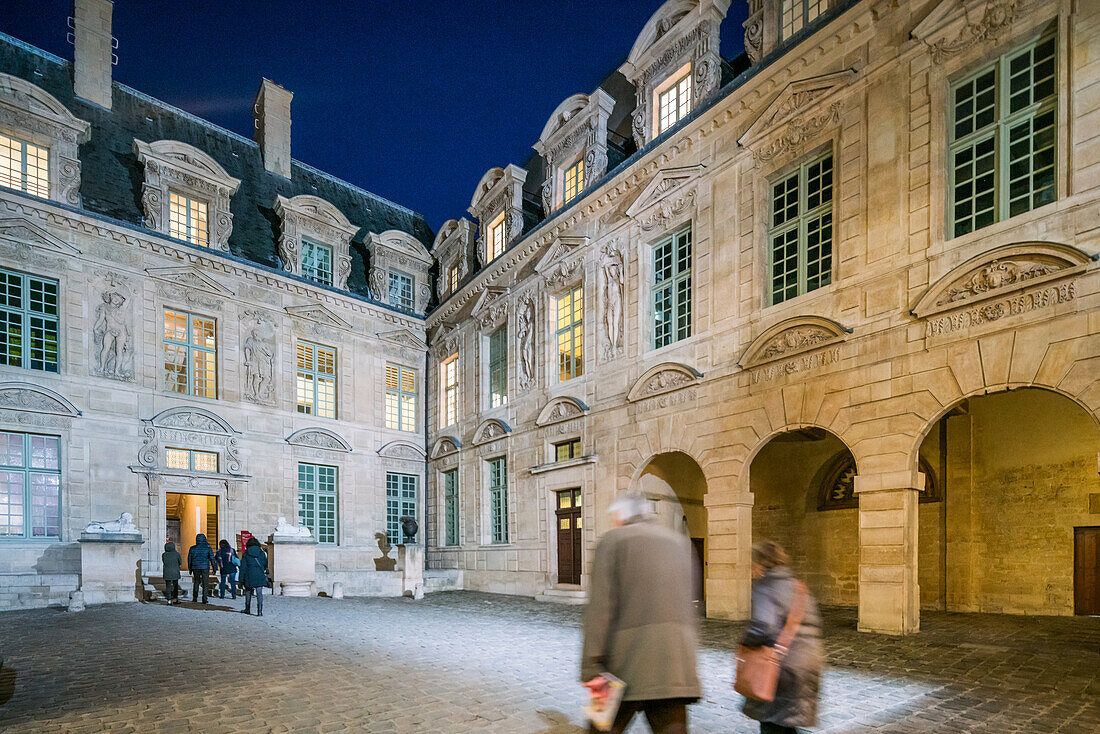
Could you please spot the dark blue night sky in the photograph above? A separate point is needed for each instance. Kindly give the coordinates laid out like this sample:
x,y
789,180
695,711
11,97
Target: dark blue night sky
x,y
410,99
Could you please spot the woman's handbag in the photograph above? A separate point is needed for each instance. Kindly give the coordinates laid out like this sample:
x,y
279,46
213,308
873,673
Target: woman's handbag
x,y
758,667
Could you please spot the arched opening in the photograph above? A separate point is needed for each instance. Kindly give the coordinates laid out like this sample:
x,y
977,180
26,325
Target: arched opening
x,y
1018,527
802,485
675,485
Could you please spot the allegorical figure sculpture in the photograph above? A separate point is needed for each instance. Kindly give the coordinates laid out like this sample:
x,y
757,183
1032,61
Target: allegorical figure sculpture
x,y
114,352
611,283
525,318
259,363
124,524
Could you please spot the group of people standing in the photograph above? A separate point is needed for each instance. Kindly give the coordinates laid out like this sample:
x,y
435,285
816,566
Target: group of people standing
x,y
640,626
250,569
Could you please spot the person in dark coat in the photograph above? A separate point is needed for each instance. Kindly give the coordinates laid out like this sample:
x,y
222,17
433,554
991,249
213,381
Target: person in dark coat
x,y
773,592
171,561
640,622
254,568
227,569
200,559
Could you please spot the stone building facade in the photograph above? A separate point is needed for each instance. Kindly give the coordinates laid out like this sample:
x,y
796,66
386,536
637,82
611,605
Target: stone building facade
x,y
198,331
842,292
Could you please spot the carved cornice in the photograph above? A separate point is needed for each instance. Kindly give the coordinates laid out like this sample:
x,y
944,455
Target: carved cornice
x,y
790,337
663,378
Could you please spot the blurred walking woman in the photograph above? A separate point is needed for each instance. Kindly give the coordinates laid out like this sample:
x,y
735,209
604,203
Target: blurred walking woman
x,y
774,591
254,568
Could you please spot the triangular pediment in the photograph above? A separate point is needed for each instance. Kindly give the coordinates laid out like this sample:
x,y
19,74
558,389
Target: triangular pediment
x,y
318,313
953,26
560,249
24,232
447,336
943,13
191,277
487,298
795,99
404,338
664,183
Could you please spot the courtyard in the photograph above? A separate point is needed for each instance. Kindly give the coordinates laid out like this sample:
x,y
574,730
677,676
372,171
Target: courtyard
x,y
465,661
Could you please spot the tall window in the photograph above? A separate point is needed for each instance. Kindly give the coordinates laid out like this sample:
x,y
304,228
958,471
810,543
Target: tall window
x,y
317,262
1003,132
190,354
187,219
400,502
316,380
452,278
801,231
450,506
190,460
567,450
573,181
797,14
28,321
672,289
30,486
400,398
317,501
401,290
24,166
673,101
448,379
496,238
498,367
498,500
571,334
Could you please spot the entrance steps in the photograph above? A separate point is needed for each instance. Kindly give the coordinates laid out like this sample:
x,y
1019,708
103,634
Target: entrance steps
x,y
563,594
154,587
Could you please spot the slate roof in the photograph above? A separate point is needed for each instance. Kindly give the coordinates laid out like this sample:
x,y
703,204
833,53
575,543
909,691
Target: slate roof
x,y
111,176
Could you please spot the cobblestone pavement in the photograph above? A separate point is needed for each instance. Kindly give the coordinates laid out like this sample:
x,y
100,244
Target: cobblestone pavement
x,y
463,661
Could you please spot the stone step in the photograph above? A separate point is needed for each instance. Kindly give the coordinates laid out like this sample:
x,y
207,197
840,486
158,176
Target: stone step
x,y
562,596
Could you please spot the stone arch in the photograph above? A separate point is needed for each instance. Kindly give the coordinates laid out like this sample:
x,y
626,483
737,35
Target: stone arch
x,y
29,398
319,438
23,95
775,432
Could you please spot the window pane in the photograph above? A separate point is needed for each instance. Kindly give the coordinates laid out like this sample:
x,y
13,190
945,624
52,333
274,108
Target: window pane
x,y
450,501
45,505
177,459
498,501
12,487
11,449
205,460
317,262
24,166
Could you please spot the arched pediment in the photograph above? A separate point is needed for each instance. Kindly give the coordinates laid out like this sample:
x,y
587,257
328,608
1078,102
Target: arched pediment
x,y
403,243
192,419
659,24
186,158
662,378
491,430
445,445
561,409
445,231
24,396
792,336
319,438
317,208
21,95
488,181
1001,271
402,450
564,112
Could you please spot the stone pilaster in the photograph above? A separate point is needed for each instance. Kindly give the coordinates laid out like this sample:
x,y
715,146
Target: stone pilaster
x,y
889,595
729,554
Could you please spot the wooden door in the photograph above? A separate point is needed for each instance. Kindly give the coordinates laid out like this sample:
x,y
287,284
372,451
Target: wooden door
x,y
1086,571
568,516
699,546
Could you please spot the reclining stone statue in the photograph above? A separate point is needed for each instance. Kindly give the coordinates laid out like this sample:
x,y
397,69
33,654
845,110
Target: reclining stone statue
x,y
124,524
283,527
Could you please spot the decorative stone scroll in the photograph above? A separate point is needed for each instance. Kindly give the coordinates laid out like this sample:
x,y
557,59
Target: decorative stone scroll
x,y
33,114
319,438
445,446
490,430
561,409
27,398
792,337
313,218
663,378
170,164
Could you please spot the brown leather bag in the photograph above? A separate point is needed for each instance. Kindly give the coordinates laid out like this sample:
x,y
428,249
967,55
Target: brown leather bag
x,y
758,667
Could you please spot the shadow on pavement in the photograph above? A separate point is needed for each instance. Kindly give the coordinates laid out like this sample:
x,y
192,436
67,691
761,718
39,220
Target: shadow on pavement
x,y
7,684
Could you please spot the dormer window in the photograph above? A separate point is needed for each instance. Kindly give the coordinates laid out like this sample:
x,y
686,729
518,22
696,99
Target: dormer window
x,y
573,181
188,219
317,262
498,204
496,238
24,166
673,99
797,14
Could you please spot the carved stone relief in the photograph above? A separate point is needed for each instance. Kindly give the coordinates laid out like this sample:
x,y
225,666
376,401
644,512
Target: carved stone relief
x,y
112,333
997,274
21,396
490,430
258,350
319,438
525,338
790,337
611,284
661,379
998,17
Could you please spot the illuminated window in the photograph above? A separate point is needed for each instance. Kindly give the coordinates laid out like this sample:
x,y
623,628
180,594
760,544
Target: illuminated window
x,y
498,500
317,262
400,502
30,486
571,334
673,101
797,14
28,321
317,501
496,238
316,380
187,219
401,291
1003,137
801,232
400,398
574,181
189,460
449,378
452,278
450,505
190,354
567,450
498,367
24,166
672,289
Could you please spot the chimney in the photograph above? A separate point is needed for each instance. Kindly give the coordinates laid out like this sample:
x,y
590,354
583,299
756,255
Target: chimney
x,y
272,112
94,57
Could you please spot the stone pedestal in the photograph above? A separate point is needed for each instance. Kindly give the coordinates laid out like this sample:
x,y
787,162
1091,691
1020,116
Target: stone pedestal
x,y
294,565
410,562
110,567
889,595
